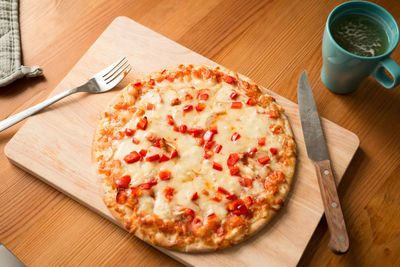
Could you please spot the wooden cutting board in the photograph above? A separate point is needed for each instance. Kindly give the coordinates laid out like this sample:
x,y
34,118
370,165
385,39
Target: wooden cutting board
x,y
55,147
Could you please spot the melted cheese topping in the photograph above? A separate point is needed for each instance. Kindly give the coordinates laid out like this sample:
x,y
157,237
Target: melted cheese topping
x,y
191,172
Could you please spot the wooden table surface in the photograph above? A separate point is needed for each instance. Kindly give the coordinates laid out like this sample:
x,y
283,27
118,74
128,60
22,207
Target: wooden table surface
x,y
269,41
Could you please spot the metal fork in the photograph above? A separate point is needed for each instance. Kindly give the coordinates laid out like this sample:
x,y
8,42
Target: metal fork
x,y
103,81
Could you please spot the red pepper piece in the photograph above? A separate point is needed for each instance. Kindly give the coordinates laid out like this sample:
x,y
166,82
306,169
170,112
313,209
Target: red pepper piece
x,y
273,150
209,135
121,197
217,166
195,132
169,78
200,107
203,97
232,159
164,175
231,197
176,128
148,185
152,82
163,158
138,84
153,158
129,132
157,143
235,136
132,157
150,106
223,190
183,128
209,144
170,120
251,101
216,198
241,210
123,182
233,95
174,154
217,148
169,192
135,141
142,123
153,182
236,105
208,154
190,214
194,197
252,152
188,97
175,101
238,207
234,170
143,153
261,141
263,160
248,182
228,79
234,204
187,108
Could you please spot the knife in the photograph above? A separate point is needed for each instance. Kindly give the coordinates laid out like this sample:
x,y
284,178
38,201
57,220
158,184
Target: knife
x,y
317,151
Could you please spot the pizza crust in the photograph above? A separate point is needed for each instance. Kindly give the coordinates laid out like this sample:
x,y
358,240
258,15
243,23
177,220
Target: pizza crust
x,y
153,235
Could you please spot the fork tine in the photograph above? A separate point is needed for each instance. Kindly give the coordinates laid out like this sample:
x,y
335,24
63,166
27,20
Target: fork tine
x,y
115,70
109,68
117,74
118,78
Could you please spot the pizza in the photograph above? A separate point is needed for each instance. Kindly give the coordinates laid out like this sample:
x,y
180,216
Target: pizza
x,y
194,158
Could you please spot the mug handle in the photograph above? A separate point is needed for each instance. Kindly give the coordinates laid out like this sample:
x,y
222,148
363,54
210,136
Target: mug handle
x,y
391,66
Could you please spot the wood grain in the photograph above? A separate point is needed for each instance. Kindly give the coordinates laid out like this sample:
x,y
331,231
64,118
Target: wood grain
x,y
70,124
339,239
273,44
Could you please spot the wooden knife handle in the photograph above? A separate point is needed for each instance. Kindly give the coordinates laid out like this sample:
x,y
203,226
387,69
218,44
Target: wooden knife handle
x,y
339,241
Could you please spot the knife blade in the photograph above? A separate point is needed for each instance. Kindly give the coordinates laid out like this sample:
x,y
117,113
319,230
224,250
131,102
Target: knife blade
x,y
317,151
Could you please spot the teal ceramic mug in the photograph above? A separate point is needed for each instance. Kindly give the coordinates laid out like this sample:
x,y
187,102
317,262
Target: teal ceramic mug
x,y
343,71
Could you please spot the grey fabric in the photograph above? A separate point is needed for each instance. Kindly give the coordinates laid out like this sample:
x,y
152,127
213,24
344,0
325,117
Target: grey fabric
x,y
11,68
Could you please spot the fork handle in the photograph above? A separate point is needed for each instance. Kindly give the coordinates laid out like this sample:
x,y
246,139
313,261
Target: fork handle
x,y
10,121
